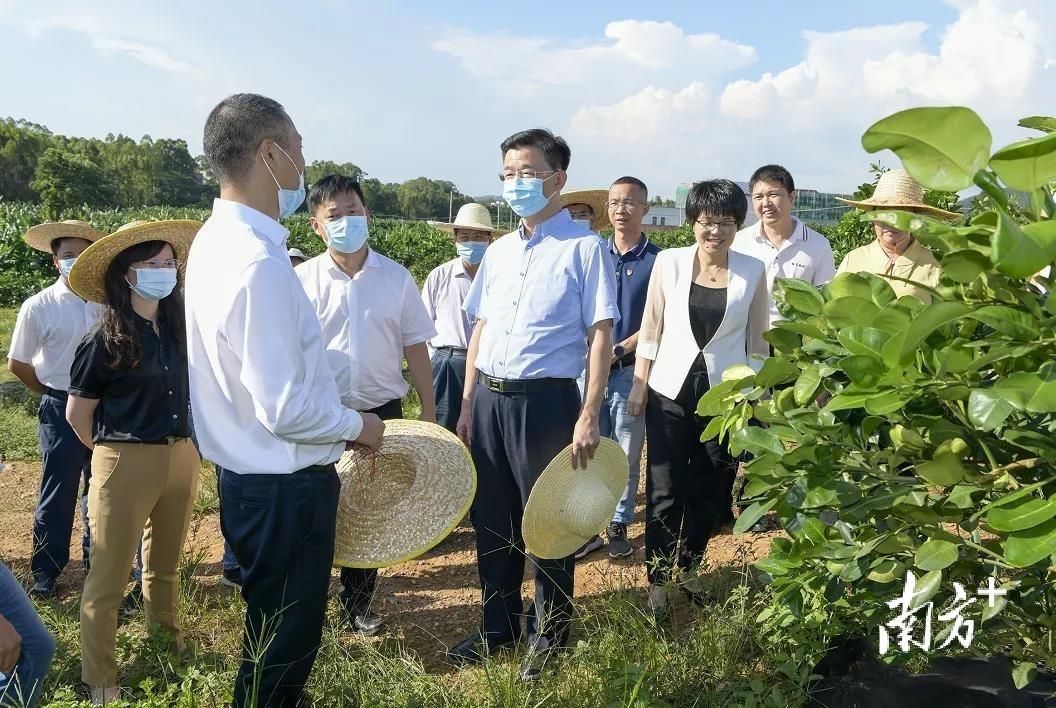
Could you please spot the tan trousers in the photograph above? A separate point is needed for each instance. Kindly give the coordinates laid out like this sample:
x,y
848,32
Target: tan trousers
x,y
134,486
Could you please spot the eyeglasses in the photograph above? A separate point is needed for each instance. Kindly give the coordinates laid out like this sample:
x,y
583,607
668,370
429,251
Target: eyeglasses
x,y
526,174
156,263
628,204
581,214
715,226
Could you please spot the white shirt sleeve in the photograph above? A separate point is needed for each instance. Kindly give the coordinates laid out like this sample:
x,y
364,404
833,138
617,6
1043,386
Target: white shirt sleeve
x,y
826,267
273,367
416,323
758,323
26,340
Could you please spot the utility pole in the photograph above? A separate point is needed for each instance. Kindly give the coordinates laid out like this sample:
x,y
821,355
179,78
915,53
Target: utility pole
x,y
451,207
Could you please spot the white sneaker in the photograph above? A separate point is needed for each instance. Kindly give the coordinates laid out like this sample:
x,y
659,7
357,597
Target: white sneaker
x,y
104,696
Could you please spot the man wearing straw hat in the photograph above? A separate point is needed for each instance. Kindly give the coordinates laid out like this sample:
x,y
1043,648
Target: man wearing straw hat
x,y
297,256
267,409
372,319
894,252
444,294
48,329
587,208
541,295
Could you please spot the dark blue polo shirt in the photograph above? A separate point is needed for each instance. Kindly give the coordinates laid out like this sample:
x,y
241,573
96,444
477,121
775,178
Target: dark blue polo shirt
x,y
632,284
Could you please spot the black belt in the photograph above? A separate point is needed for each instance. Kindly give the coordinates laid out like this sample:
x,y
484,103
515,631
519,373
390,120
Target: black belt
x,y
455,351
626,360
55,393
522,385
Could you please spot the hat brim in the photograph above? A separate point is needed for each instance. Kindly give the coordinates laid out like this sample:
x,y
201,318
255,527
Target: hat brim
x,y
88,276
41,236
867,205
543,525
598,201
400,504
450,228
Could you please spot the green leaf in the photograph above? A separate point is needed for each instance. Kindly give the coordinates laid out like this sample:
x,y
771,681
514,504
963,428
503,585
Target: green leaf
x,y
847,401
886,571
866,341
781,339
1029,546
1023,252
776,371
935,555
988,409
892,319
927,321
1027,164
1007,320
964,266
927,585
759,441
849,311
942,148
862,370
752,514
1018,494
739,373
801,296
1028,392
887,402
807,385
1022,514
848,285
1023,673
942,471
1046,124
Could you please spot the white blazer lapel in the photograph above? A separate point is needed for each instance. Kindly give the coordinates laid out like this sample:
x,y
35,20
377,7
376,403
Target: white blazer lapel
x,y
735,290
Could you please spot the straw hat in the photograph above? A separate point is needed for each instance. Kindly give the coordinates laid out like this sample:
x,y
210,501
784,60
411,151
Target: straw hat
x,y
597,199
398,504
296,253
41,235
567,507
897,190
470,216
88,277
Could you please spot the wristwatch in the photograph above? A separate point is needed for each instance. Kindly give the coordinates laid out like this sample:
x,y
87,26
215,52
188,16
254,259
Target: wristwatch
x,y
618,351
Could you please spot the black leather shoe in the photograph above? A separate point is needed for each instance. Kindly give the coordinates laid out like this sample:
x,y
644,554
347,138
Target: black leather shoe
x,y
473,650
43,588
540,652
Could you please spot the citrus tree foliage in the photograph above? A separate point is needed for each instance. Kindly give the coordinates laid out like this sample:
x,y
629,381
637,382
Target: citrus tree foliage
x,y
905,437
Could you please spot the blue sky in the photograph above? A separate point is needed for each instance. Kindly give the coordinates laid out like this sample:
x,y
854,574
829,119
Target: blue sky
x,y
663,90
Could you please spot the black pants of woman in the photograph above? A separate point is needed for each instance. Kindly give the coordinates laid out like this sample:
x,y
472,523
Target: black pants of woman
x,y
687,482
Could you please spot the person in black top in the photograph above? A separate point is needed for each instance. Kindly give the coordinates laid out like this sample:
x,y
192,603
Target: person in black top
x,y
129,402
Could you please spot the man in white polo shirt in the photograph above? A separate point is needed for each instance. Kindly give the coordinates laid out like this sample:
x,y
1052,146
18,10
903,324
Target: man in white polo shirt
x,y
372,318
782,242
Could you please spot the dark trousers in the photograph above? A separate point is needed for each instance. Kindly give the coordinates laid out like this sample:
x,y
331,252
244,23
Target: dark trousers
x,y
687,483
66,462
449,380
514,437
281,528
358,584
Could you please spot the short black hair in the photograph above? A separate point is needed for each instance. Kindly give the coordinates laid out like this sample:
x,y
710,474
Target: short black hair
x,y
635,181
56,243
554,148
774,174
329,187
235,128
716,197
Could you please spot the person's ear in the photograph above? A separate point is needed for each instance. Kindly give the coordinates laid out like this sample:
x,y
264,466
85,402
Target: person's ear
x,y
792,196
317,227
560,179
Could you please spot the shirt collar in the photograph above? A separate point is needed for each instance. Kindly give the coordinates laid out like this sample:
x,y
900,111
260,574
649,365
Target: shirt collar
x,y
635,252
554,224
258,221
910,257
373,260
798,232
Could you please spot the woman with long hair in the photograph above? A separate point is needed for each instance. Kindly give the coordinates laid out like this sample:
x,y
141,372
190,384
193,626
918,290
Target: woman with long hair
x,y
129,403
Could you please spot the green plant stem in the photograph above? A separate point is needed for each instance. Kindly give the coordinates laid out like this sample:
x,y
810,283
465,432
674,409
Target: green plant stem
x,y
997,559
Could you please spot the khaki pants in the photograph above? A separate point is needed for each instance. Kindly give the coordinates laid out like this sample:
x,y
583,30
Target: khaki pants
x,y
134,486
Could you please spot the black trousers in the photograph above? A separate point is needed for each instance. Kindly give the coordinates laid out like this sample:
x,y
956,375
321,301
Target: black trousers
x,y
687,482
281,528
514,437
449,380
358,584
66,461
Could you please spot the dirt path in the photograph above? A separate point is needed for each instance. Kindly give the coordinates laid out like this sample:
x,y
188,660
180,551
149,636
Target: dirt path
x,y
429,602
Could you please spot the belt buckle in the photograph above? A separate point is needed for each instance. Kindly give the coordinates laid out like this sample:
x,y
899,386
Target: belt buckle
x,y
493,384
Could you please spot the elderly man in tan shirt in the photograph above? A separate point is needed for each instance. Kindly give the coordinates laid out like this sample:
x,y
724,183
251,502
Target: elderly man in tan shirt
x,y
893,252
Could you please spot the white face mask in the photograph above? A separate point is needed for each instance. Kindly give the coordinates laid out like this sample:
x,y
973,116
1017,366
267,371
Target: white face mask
x,y
585,223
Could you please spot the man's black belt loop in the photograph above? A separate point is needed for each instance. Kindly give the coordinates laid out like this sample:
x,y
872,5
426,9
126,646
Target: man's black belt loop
x,y
453,350
522,385
54,393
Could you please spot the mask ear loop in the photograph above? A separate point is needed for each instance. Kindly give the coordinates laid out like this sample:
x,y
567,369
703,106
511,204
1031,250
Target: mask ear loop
x,y
273,178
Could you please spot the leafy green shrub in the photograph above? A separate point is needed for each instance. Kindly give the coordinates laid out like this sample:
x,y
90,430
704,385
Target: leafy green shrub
x,y
908,437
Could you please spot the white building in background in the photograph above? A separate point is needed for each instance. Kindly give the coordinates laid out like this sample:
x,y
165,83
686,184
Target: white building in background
x,y
664,216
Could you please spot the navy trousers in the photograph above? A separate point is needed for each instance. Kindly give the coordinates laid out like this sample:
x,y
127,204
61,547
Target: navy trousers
x,y
449,380
514,437
66,462
358,584
281,528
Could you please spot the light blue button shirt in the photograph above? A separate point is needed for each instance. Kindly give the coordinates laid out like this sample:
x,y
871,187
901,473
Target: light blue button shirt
x,y
539,296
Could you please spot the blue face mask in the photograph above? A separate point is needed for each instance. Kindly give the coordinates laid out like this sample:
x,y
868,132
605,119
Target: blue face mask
x,y
347,234
471,252
66,265
154,283
525,195
289,199
585,223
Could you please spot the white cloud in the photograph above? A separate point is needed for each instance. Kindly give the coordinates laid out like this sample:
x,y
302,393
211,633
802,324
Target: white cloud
x,y
150,56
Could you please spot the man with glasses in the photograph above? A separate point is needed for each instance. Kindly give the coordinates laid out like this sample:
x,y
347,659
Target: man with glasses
x,y
541,294
632,256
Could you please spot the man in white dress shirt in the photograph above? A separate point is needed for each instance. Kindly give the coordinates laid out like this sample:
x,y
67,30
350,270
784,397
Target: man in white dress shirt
x,y
372,319
782,242
444,293
267,410
48,329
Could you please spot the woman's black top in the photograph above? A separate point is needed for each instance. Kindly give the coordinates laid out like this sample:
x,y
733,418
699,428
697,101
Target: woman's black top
x,y
146,404
707,307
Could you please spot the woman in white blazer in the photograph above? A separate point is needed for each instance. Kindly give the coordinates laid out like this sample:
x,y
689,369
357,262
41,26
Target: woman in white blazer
x,y
706,311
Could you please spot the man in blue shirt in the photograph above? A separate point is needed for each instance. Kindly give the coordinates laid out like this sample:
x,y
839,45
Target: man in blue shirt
x,y
541,294
632,257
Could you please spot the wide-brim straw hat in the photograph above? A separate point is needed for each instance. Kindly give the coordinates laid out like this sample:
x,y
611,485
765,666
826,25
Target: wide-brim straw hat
x,y
897,190
88,276
41,236
567,507
401,502
470,216
597,199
